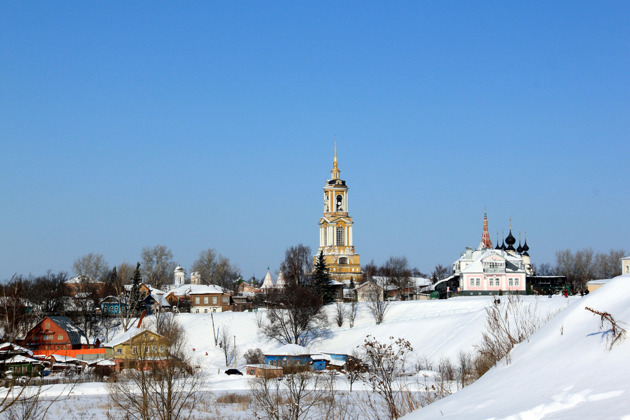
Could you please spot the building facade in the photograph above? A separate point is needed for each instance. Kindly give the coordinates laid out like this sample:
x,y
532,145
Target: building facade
x,y
488,270
206,299
336,240
56,333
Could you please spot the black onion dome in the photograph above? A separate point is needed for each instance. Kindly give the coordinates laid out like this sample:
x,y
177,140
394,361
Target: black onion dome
x,y
510,240
525,247
498,246
503,247
520,248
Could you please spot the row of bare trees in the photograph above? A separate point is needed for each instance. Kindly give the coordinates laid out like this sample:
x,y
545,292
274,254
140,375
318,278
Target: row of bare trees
x,y
583,265
158,266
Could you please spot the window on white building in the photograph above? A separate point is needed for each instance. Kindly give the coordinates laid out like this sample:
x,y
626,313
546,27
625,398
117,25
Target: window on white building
x,y
478,282
511,282
472,282
491,282
516,282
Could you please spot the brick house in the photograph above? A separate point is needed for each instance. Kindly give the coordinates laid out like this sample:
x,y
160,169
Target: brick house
x,y
56,333
203,298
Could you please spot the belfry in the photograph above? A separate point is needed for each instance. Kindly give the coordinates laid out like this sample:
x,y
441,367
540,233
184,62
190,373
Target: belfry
x,y
335,231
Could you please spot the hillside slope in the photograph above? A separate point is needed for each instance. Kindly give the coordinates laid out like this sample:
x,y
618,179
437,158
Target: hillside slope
x,y
565,371
435,329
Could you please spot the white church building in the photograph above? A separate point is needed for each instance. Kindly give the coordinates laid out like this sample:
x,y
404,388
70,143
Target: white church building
x,y
488,270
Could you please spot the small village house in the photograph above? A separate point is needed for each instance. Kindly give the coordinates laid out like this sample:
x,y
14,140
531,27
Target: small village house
x,y
368,291
293,356
138,349
55,333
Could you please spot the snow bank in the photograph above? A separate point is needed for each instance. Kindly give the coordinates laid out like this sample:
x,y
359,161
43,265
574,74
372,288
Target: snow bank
x,y
565,371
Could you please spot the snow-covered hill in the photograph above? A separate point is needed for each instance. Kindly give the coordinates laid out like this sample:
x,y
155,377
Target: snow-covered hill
x,y
435,329
565,371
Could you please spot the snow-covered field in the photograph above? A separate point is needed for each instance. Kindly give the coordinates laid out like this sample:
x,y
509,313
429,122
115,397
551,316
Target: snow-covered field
x,y
564,371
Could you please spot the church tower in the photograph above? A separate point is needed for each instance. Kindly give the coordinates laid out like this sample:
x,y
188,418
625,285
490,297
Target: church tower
x,y
335,230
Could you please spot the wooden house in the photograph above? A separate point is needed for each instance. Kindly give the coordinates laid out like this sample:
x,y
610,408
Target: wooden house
x,y
293,356
56,333
137,348
113,306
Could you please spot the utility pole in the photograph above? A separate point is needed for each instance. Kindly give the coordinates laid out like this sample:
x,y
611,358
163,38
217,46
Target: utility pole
x,y
214,334
234,350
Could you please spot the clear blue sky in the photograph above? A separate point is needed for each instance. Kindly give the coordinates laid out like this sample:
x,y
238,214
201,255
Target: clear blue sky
x,y
210,125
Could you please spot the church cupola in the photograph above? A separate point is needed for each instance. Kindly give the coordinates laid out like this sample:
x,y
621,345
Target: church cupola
x,y
498,246
510,240
525,246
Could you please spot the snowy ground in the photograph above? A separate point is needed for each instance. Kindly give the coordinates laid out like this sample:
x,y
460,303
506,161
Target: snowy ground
x,y
565,371
552,376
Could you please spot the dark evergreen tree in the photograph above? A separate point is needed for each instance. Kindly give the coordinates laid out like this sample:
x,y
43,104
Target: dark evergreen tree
x,y
352,285
321,281
134,296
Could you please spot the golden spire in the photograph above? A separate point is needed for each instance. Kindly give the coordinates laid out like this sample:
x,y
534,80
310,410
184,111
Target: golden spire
x,y
335,171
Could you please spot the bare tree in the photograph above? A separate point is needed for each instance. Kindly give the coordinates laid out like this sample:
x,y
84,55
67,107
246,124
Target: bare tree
x,y
226,343
15,313
352,312
46,293
290,399
124,272
216,269
254,356
340,313
92,266
465,369
607,266
545,269
370,270
25,402
583,264
355,368
297,264
295,316
377,304
440,272
396,269
385,366
157,265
